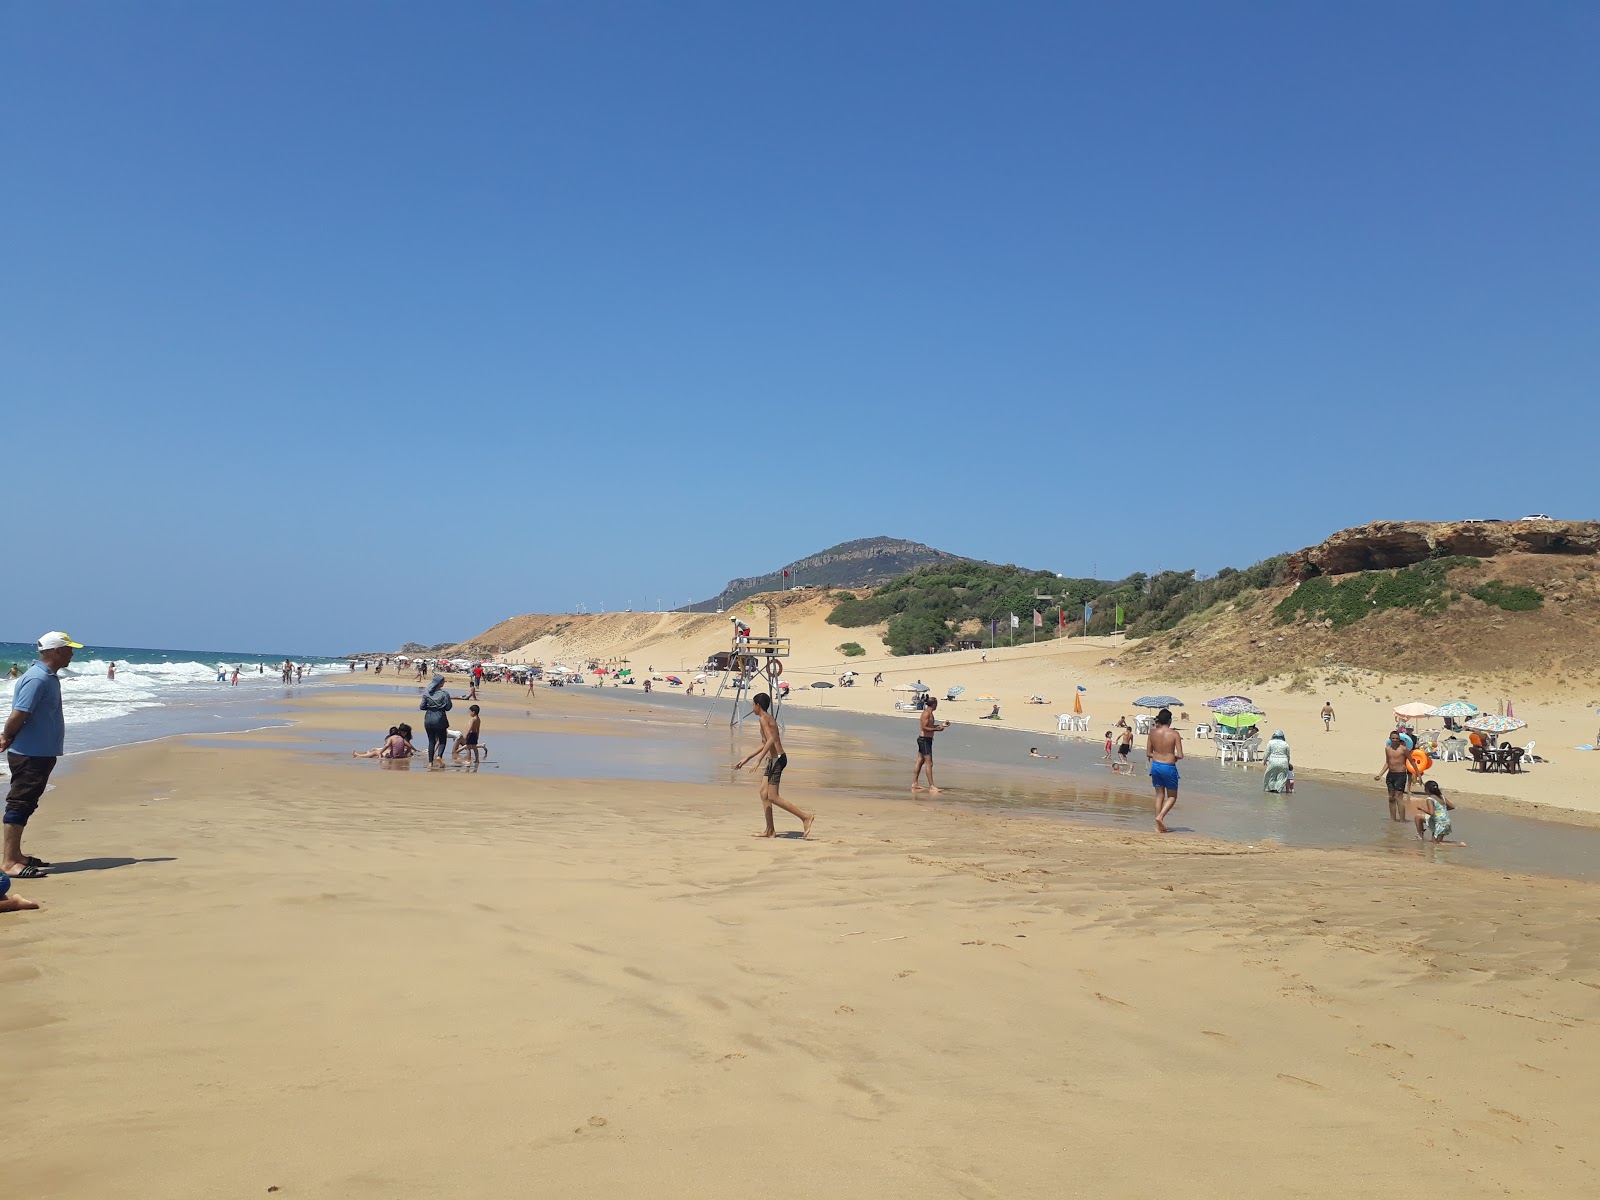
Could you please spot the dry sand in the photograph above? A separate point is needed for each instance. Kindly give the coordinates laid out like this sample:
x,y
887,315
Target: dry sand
x,y
257,972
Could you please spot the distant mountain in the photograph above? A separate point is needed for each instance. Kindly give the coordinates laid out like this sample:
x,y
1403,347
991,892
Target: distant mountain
x,y
863,563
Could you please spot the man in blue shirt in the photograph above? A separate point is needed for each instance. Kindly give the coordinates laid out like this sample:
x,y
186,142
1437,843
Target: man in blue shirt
x,y
34,736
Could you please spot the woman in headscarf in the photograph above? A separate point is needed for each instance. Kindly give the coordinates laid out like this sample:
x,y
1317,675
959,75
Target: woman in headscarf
x,y
436,703
1277,763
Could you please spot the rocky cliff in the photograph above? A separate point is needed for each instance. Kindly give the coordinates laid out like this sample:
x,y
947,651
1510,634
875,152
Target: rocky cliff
x,y
1386,544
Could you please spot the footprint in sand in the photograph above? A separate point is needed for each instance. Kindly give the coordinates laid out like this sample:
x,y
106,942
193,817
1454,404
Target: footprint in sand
x,y
1215,1034
1112,1000
844,1010
903,974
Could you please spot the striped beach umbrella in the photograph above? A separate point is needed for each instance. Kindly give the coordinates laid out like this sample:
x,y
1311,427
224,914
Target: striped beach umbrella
x,y
1221,700
1456,708
1158,702
1237,707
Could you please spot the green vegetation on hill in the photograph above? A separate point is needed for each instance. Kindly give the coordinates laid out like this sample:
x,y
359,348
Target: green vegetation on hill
x,y
945,603
1507,596
938,605
1422,587
926,609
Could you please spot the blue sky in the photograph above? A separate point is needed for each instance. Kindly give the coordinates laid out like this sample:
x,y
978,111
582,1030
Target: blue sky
x,y
333,325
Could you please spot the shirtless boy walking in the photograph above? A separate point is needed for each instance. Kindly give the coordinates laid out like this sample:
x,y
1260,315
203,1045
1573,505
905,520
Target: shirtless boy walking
x,y
1164,745
772,748
925,731
1395,755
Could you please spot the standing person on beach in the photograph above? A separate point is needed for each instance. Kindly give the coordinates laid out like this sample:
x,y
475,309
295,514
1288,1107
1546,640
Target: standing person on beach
x,y
1164,745
772,748
1395,757
436,703
926,728
1125,747
1327,716
34,737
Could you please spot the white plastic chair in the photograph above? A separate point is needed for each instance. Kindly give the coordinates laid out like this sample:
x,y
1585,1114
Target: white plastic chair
x,y
1527,756
1063,722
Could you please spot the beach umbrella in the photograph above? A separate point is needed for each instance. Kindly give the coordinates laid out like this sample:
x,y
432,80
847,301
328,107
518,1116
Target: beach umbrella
x,y
1456,708
1240,720
822,684
1221,700
1489,723
1158,702
1415,709
955,690
919,687
1234,708
1077,701
673,679
990,698
906,687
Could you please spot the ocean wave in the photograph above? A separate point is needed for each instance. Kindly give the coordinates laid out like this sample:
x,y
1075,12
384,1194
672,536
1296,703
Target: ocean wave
x,y
87,695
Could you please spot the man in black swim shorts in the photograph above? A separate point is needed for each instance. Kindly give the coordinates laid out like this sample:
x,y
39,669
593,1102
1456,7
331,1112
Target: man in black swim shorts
x,y
772,747
925,731
1395,754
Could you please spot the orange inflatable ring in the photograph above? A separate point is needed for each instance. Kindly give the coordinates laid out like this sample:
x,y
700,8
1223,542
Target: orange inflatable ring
x,y
777,670
1418,761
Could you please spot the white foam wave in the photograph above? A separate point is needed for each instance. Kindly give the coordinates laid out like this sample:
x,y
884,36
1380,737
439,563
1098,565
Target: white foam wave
x,y
88,695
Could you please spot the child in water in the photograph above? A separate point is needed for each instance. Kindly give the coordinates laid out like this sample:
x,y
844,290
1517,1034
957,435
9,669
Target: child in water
x,y
1432,814
1109,746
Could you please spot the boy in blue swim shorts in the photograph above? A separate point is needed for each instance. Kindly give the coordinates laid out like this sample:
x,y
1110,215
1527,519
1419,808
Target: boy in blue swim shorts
x,y
1164,747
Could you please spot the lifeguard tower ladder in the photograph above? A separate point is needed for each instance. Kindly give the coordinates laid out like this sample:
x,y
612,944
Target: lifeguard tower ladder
x,y
754,664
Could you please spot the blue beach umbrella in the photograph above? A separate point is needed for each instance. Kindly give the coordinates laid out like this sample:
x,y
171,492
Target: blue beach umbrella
x,y
1221,700
1158,702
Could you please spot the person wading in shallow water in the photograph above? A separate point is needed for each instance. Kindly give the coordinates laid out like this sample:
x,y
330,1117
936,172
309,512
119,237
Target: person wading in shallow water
x,y
1164,745
1395,755
925,731
772,748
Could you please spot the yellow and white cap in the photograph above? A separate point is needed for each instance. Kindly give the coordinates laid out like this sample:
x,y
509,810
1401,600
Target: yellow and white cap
x,y
56,640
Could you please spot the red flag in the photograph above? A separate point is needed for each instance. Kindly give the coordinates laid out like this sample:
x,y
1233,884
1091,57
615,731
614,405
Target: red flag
x,y
1038,621
1061,618
786,574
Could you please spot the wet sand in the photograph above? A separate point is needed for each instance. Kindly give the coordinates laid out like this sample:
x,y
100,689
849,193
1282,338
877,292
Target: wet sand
x,y
610,733
266,968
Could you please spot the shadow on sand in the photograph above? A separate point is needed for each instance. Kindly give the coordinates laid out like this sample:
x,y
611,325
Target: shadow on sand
x,y
100,864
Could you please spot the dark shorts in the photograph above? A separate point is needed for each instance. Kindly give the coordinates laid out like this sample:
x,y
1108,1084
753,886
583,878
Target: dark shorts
x,y
1123,749
469,739
775,768
1398,781
29,774
925,747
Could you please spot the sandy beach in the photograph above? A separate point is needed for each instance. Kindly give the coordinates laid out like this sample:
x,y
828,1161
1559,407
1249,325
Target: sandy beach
x,y
263,969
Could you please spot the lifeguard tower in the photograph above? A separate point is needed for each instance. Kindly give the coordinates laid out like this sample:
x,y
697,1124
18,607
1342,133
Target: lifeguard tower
x,y
754,664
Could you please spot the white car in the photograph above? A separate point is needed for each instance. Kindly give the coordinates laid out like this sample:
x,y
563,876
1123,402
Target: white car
x,y
1538,517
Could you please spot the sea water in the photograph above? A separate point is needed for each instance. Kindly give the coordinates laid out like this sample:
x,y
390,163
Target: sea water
x,y
157,693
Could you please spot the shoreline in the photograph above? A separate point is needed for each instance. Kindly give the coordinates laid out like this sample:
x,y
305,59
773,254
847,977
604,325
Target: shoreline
x,y
651,742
